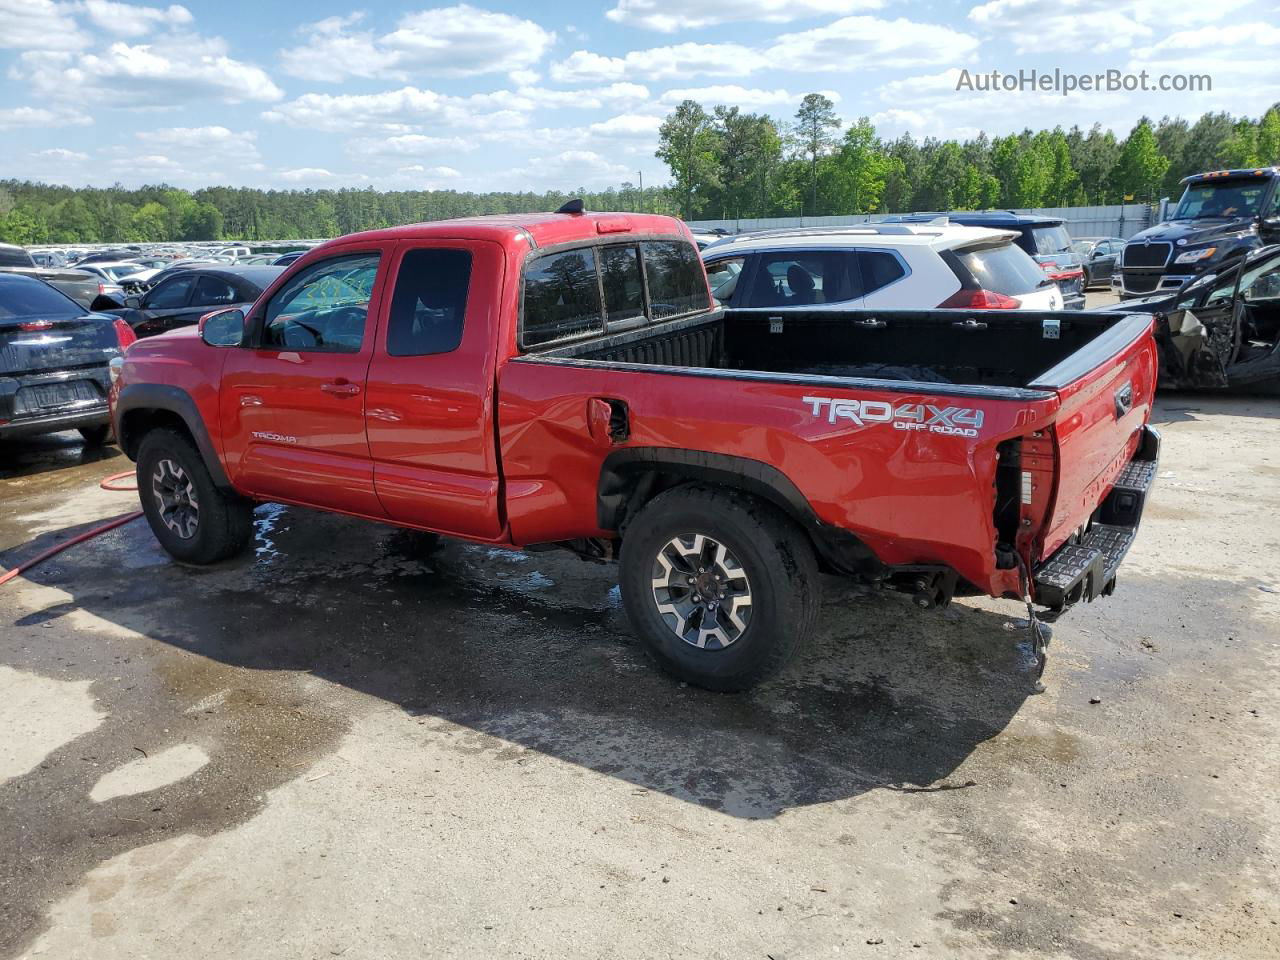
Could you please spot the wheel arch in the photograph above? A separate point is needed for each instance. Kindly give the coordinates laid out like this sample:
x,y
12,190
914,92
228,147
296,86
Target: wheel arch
x,y
143,407
631,477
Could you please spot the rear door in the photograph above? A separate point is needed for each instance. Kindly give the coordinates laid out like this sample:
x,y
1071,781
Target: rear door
x,y
429,406
292,401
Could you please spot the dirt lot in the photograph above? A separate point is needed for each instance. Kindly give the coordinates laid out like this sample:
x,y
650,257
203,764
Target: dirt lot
x,y
334,748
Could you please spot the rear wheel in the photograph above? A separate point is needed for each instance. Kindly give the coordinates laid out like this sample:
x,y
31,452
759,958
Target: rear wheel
x,y
193,520
95,436
722,588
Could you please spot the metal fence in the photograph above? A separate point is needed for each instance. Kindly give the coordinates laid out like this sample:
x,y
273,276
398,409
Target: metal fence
x,y
1116,220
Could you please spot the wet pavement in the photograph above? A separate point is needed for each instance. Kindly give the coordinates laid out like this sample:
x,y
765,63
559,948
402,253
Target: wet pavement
x,y
338,746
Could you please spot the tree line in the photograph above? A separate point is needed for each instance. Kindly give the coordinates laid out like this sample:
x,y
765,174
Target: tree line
x,y
724,164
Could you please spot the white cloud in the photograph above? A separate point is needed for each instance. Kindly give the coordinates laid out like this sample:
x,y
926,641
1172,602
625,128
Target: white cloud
x,y
408,145
457,41
869,43
15,117
585,99
658,63
435,173
396,110
568,170
39,25
732,95
175,70
628,125
669,16
203,144
134,20
333,52
1096,26
305,173
838,47
60,154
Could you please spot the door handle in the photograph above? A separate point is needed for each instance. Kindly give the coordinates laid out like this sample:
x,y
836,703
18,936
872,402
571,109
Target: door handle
x,y
341,387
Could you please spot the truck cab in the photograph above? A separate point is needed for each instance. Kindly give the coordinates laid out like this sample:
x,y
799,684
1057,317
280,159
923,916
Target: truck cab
x,y
1221,216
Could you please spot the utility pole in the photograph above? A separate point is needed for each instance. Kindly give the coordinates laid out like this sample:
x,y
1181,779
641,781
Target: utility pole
x,y
641,203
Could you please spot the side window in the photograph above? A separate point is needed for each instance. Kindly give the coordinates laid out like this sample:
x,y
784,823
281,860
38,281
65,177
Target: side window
x,y
1222,291
675,276
429,302
170,294
1262,282
879,269
803,279
324,307
623,288
561,297
213,291
723,276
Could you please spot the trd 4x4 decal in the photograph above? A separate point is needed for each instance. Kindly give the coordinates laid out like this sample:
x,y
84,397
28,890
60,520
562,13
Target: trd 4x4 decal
x,y
952,421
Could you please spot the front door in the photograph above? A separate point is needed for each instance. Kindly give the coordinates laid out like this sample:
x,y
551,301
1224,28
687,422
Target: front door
x,y
430,390
292,401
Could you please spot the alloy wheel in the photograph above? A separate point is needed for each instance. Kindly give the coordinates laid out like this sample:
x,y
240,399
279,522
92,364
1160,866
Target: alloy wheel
x,y
701,591
176,497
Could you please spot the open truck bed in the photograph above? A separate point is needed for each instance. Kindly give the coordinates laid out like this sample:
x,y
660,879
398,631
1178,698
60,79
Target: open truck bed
x,y
956,448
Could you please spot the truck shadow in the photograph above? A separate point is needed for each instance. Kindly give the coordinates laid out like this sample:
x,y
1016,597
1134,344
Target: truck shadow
x,y
534,650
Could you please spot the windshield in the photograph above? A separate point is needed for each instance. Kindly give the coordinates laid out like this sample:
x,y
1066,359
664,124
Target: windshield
x,y
123,270
1050,240
1005,269
1221,199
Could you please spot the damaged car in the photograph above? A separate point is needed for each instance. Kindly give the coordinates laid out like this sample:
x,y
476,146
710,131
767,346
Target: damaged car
x,y
1221,330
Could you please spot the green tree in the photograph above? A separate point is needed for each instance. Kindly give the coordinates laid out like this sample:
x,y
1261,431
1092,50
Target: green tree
x,y
861,170
687,142
150,222
1141,167
1269,137
816,122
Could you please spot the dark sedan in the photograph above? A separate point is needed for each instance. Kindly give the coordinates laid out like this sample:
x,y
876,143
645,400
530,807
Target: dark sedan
x,y
1100,255
183,296
54,361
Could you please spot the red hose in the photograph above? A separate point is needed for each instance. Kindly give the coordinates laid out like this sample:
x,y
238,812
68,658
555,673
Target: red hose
x,y
80,537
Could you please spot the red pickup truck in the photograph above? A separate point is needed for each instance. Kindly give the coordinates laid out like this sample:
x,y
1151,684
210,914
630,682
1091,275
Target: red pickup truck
x,y
567,380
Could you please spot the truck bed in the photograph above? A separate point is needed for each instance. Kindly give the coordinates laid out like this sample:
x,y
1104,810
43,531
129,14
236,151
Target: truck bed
x,y
950,438
1012,349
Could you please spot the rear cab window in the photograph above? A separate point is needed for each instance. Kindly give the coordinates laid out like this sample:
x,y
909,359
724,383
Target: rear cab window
x,y
429,302
588,290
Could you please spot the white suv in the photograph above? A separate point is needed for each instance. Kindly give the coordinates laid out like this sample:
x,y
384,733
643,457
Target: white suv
x,y
878,266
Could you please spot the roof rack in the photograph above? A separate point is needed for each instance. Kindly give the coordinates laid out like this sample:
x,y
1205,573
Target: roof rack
x,y
869,229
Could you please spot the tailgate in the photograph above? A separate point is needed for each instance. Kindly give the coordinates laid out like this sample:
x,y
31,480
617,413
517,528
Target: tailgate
x,y
1106,390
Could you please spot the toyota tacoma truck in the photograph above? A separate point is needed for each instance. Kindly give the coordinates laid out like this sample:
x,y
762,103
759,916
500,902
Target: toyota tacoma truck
x,y
566,380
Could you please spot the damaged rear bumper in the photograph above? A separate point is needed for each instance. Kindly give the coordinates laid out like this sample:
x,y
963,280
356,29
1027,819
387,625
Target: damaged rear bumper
x,y
1085,567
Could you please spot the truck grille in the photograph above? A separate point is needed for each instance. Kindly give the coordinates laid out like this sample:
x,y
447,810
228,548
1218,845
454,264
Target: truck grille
x,y
1147,254
1141,282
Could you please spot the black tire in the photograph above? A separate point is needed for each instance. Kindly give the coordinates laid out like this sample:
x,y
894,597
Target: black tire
x,y
95,436
221,525
1086,281
781,578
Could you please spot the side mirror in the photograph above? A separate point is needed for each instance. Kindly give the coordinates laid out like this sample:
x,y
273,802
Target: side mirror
x,y
1269,224
222,328
134,301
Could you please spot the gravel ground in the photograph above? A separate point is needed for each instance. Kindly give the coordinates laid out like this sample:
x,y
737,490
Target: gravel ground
x,y
333,747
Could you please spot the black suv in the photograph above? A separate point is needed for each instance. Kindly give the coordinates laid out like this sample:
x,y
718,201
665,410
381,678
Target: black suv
x,y
1044,238
1221,217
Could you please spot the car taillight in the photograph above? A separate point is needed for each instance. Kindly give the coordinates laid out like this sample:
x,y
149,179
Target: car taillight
x,y
980,300
124,333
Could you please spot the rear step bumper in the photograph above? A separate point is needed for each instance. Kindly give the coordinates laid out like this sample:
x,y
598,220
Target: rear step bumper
x,y
1086,568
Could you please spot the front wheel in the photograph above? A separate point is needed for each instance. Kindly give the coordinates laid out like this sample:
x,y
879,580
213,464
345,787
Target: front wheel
x,y
722,588
193,520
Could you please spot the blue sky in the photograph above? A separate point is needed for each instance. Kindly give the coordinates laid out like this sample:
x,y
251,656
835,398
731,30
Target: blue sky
x,y
512,96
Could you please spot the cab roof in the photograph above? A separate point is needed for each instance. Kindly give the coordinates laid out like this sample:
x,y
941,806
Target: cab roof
x,y
540,229
1265,172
